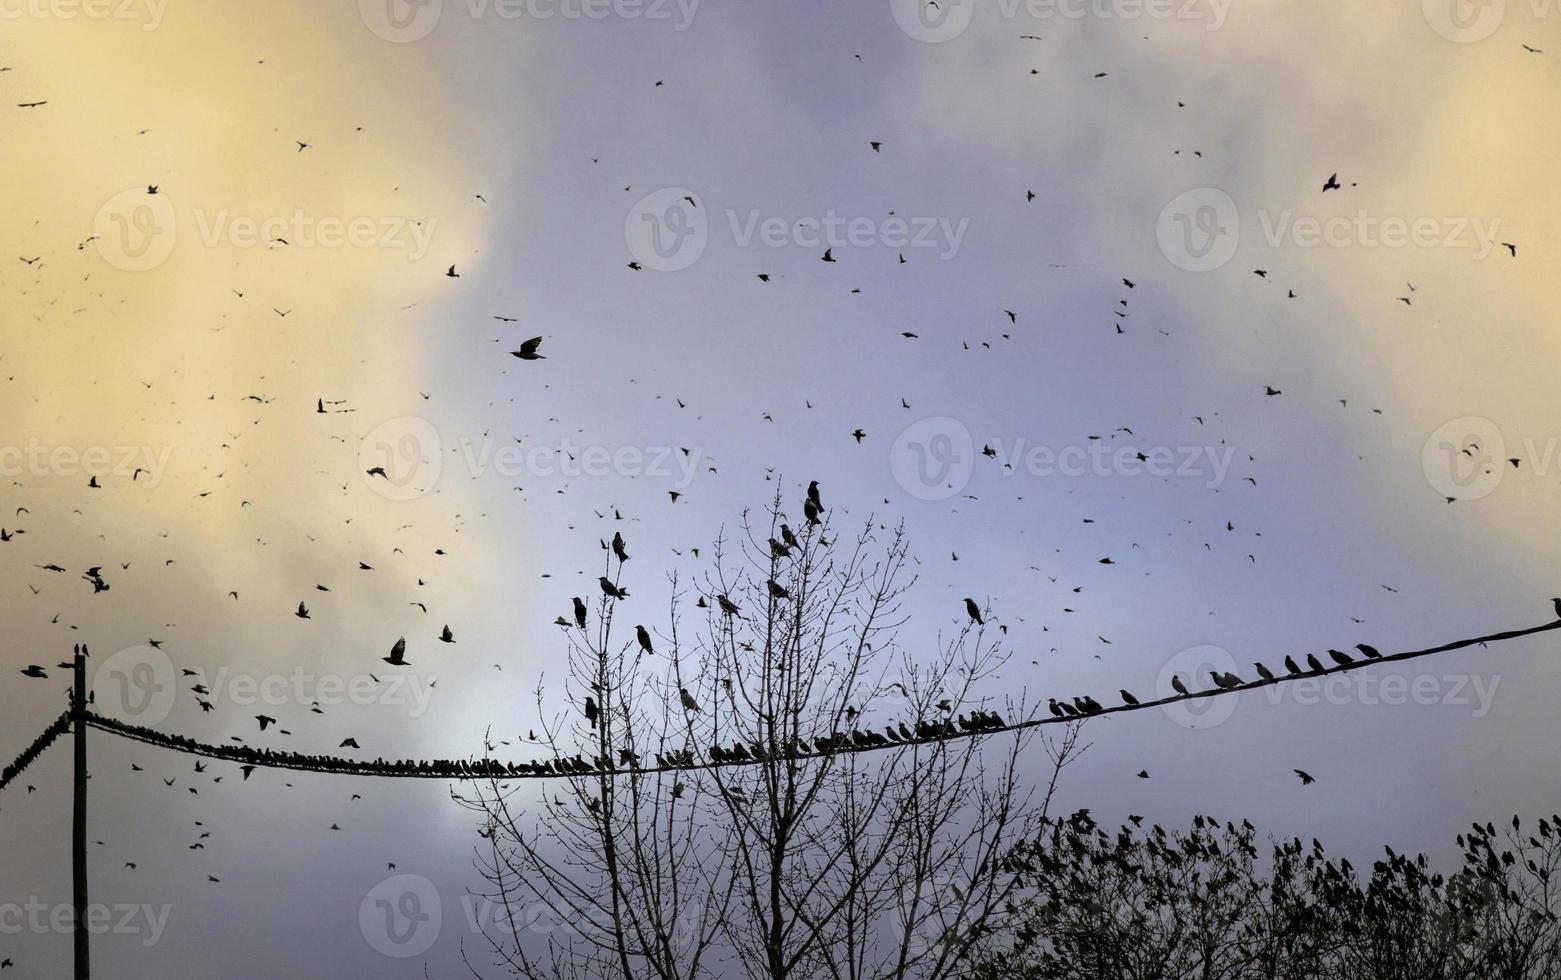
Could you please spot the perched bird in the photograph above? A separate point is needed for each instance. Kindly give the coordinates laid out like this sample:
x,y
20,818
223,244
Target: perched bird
x,y
611,590
1127,697
644,638
689,704
1314,663
579,612
974,612
1371,652
591,712
1177,685
618,547
727,606
1341,658
1263,672
1292,666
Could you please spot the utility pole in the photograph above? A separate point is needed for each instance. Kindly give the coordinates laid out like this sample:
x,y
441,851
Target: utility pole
x,y
78,709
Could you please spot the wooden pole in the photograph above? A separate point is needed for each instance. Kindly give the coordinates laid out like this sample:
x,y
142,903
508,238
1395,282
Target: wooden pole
x,y
79,817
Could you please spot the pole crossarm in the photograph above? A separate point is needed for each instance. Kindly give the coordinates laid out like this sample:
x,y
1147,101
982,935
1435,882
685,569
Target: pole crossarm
x,y
836,744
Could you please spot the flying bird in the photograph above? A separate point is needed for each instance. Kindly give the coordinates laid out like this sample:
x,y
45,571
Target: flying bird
x,y
528,350
398,654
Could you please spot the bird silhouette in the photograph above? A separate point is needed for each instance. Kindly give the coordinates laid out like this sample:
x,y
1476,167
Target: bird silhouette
x,y
398,654
528,350
611,590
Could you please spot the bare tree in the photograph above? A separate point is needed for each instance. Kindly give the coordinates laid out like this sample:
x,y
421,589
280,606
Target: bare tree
x,y
799,791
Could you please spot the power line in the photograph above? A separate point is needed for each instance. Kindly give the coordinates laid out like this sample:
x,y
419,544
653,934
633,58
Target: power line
x,y
457,769
57,728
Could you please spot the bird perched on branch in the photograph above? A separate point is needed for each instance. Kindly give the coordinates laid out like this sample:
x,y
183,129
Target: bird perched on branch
x,y
579,612
590,710
611,590
974,611
689,704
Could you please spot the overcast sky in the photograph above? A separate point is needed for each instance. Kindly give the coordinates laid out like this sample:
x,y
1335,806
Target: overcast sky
x,y
541,148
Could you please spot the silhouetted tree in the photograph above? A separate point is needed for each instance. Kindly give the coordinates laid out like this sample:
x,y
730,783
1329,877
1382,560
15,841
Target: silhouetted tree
x,y
1138,905
796,792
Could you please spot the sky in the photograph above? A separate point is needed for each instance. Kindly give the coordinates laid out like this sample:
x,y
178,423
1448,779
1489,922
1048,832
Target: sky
x,y
319,170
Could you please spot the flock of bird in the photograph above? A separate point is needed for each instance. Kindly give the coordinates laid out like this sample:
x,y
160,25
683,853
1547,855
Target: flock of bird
x,y
221,463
